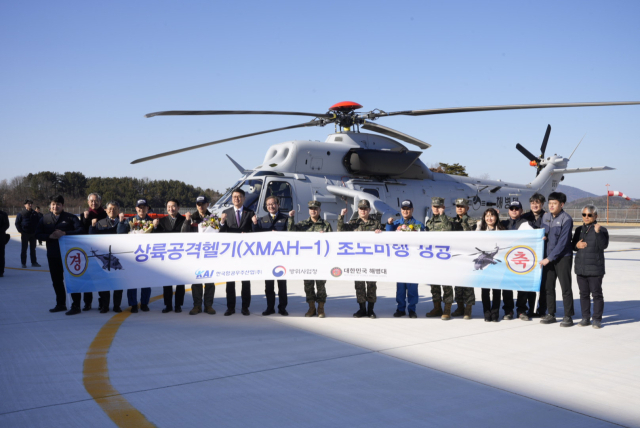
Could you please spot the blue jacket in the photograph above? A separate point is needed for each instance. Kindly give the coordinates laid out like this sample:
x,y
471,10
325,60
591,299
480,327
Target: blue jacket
x,y
68,223
123,227
27,221
400,222
558,231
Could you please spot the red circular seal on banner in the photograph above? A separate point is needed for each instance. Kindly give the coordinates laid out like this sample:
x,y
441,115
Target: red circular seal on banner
x,y
336,272
76,261
521,259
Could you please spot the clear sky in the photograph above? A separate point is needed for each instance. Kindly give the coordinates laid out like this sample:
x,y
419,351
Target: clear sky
x,y
77,78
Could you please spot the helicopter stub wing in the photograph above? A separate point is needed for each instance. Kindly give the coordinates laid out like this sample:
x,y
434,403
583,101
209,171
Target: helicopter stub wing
x,y
588,169
370,126
379,205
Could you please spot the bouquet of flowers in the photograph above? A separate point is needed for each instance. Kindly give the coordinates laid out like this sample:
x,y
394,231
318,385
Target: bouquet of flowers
x,y
140,226
210,224
408,228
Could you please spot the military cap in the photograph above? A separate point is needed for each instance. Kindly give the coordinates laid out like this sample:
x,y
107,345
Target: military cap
x,y
364,204
437,201
314,204
462,202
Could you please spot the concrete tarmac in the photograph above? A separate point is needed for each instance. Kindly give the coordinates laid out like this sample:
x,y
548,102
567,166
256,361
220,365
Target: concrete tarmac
x,y
169,370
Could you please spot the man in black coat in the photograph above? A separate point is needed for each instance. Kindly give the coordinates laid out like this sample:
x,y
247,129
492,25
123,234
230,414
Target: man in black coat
x,y
517,221
536,203
590,240
192,220
107,226
274,221
172,223
52,226
237,219
4,238
26,223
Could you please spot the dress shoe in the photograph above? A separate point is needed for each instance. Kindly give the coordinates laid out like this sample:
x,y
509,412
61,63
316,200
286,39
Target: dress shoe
x,y
58,309
495,317
585,322
413,314
566,322
548,319
487,316
196,310
398,314
73,311
35,264
245,312
283,312
229,312
167,309
87,308
24,266
508,317
134,309
597,324
117,309
144,308
104,309
210,310
268,311
178,309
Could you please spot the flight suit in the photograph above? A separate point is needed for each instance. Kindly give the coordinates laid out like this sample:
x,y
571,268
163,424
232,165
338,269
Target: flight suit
x,y
312,296
464,296
365,290
440,223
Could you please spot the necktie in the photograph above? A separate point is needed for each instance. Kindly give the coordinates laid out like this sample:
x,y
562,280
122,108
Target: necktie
x,y
238,217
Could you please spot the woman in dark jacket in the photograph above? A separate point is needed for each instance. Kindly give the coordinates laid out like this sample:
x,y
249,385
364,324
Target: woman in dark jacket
x,y
491,221
590,240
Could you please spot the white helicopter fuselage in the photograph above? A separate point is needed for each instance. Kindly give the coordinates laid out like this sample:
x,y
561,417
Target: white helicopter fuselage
x,y
300,171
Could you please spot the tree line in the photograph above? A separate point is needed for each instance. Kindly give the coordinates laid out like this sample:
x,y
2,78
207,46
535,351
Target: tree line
x,y
75,187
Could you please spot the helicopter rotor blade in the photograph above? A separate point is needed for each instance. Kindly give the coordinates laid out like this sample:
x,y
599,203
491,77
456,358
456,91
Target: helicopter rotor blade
x,y
229,112
370,126
526,153
186,149
373,115
545,140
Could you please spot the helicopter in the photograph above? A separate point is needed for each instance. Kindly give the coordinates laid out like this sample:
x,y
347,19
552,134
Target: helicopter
x,y
109,261
350,166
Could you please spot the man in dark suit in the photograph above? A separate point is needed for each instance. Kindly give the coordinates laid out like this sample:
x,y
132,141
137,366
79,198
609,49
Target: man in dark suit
x,y
172,224
51,227
108,226
274,221
26,223
237,219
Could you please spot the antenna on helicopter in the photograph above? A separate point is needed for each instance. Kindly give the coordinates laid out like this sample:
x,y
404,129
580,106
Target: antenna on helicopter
x,y
574,150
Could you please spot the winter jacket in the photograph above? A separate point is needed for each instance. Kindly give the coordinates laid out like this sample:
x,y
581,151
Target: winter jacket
x,y
519,224
27,221
589,261
558,232
535,222
68,223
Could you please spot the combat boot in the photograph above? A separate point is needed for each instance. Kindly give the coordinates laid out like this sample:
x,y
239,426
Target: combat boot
x,y
467,311
362,312
312,309
320,309
437,309
446,314
210,310
370,312
459,311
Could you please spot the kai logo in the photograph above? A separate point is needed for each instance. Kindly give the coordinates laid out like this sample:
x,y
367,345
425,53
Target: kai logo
x,y
200,274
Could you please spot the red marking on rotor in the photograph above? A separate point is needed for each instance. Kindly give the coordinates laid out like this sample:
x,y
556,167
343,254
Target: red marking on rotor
x,y
345,106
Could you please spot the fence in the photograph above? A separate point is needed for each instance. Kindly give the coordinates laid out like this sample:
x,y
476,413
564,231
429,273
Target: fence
x,y
617,215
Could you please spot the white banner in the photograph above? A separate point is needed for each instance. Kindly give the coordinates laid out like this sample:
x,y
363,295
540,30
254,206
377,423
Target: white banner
x,y
505,259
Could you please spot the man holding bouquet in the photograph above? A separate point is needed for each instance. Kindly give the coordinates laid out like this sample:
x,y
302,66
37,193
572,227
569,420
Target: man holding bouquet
x,y
405,224
141,223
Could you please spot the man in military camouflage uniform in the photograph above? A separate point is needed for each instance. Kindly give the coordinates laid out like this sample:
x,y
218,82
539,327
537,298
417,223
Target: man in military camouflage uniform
x,y
361,224
313,224
465,296
439,222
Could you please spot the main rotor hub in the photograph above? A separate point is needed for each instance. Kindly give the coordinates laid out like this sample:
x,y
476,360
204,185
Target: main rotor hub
x,y
345,106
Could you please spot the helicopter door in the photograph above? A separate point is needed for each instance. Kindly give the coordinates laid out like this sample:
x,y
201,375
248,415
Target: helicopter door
x,y
281,188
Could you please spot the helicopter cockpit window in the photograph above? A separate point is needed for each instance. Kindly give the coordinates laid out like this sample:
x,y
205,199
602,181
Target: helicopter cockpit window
x,y
373,192
282,190
252,189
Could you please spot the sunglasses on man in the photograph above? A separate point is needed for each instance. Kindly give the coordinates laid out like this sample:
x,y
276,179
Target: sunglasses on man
x,y
514,208
587,215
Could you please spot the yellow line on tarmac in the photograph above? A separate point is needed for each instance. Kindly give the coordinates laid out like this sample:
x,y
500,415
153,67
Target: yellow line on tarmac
x,y
96,376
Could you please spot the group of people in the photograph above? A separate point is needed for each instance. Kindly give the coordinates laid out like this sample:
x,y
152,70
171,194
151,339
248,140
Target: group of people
x,y
589,241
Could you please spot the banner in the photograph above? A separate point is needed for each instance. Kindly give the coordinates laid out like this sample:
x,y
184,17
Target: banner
x,y
504,259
